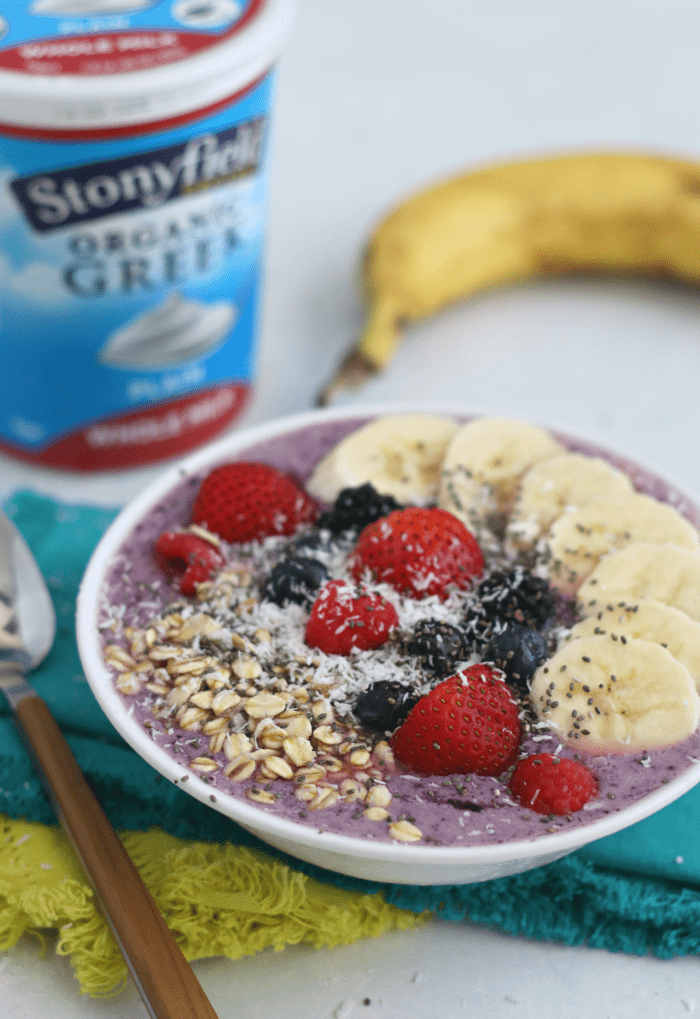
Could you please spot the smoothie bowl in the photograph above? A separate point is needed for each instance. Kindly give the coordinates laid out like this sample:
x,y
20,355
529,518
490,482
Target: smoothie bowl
x,y
406,644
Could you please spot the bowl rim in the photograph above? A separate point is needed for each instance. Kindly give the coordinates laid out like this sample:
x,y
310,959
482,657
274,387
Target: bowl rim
x,y
253,817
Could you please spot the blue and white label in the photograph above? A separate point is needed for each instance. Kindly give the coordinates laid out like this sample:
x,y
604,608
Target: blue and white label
x,y
129,269
80,194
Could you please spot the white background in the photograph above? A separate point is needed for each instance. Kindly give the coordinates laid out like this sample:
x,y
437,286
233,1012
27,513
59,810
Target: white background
x,y
376,98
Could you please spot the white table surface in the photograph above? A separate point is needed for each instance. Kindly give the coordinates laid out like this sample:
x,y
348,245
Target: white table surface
x,y
376,98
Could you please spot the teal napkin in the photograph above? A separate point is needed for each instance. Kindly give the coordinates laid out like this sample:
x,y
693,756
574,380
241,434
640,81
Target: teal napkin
x,y
637,891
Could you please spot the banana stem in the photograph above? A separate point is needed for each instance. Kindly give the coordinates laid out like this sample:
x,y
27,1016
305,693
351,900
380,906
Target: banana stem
x,y
373,350
354,370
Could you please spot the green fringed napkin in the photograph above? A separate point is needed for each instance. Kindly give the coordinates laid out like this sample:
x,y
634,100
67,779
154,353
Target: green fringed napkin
x,y
636,891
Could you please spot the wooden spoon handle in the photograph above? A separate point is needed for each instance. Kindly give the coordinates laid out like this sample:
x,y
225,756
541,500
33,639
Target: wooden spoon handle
x,y
163,976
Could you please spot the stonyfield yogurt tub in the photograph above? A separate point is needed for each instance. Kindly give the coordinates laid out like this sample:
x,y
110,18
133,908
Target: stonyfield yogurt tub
x,y
152,638
133,196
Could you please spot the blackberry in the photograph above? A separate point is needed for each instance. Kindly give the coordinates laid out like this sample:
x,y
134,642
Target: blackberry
x,y
294,579
438,646
384,705
518,650
355,508
518,596
477,627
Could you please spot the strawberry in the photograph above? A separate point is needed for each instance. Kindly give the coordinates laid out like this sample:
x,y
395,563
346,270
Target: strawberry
x,y
184,554
244,501
345,617
466,724
552,785
419,551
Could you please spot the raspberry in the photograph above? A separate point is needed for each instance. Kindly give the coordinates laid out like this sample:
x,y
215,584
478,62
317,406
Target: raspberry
x,y
184,554
552,785
344,618
419,551
248,501
467,724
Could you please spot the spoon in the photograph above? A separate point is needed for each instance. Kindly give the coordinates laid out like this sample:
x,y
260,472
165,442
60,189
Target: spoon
x,y
162,975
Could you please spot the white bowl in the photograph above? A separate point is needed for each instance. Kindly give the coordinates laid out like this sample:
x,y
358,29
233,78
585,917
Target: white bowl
x,y
377,861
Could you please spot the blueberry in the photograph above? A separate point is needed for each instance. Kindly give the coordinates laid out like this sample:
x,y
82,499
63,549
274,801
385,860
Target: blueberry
x,y
354,508
518,650
384,705
294,579
439,646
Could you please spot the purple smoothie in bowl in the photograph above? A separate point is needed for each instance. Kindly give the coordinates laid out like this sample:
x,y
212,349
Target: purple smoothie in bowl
x,y
349,806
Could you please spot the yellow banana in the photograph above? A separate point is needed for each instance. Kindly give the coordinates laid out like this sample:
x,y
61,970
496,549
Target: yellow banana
x,y
609,212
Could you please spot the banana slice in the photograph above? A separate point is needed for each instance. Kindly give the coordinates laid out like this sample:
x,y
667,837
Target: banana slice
x,y
400,454
557,484
648,619
578,539
644,570
604,697
484,463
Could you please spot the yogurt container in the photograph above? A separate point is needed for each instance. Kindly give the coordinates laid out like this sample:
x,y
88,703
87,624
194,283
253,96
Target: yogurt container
x,y
134,154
